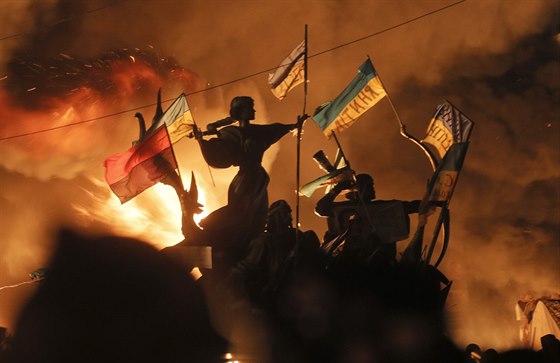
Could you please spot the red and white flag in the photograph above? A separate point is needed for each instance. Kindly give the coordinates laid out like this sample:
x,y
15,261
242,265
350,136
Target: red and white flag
x,y
131,172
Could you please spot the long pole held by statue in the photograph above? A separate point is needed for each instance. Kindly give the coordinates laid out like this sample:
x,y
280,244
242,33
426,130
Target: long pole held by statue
x,y
443,219
360,197
403,131
300,125
195,126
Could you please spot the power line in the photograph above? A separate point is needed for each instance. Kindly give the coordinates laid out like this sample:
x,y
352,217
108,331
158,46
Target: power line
x,y
334,48
237,79
71,17
83,121
390,28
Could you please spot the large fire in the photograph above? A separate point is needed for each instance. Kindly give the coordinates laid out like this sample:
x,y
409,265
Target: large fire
x,y
41,97
153,216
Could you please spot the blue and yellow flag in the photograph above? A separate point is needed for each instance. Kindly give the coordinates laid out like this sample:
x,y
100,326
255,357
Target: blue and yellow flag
x,y
447,127
336,173
360,95
440,189
289,73
327,180
445,177
178,119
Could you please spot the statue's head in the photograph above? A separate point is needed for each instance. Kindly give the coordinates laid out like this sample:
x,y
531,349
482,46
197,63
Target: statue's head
x,y
279,216
365,188
242,108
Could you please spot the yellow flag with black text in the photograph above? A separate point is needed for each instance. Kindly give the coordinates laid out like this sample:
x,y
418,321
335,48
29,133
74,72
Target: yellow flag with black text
x,y
447,127
360,95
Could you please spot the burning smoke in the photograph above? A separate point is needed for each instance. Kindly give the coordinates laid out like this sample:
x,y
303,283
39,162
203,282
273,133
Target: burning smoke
x,y
52,93
56,178
59,172
496,61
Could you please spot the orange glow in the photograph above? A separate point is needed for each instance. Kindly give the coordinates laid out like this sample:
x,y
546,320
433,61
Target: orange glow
x,y
68,90
154,216
130,76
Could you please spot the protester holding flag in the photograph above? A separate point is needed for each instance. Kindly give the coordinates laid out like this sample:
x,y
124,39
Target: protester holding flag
x,y
244,146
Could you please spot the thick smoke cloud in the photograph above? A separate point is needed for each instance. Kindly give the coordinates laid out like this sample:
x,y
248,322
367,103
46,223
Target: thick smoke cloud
x,y
496,61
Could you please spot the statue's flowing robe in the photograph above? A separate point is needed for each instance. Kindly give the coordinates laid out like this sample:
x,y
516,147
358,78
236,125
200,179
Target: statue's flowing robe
x,y
243,218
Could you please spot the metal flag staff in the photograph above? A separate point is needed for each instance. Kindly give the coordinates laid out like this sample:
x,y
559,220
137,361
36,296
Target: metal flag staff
x,y
195,131
299,129
405,133
360,197
444,216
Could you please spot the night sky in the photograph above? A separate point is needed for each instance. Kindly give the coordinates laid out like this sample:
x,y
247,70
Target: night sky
x,y
497,61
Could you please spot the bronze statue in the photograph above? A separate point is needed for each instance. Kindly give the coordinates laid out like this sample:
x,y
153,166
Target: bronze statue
x,y
273,256
243,218
370,227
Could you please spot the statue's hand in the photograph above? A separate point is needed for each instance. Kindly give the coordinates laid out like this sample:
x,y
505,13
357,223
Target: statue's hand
x,y
211,129
301,119
344,185
197,133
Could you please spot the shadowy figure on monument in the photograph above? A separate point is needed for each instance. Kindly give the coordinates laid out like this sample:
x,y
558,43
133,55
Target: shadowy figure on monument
x,y
364,228
232,227
273,255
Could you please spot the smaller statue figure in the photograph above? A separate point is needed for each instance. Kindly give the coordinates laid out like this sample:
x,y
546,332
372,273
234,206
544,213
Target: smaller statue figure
x,y
362,224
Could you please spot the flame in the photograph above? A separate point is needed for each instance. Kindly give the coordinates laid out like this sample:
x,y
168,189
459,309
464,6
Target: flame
x,y
154,216
68,90
41,94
